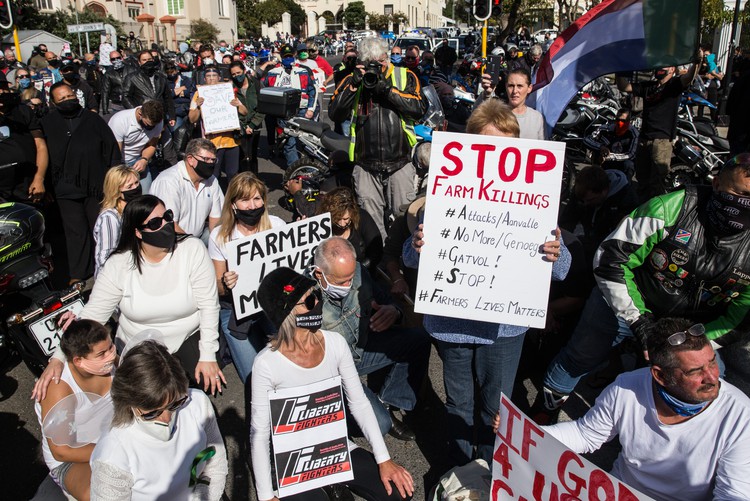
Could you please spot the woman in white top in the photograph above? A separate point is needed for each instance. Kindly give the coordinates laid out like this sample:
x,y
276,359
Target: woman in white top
x,y
244,214
91,357
518,87
164,442
121,185
159,281
299,354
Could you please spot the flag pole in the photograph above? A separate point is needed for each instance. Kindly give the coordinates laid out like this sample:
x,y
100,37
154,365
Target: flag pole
x,y
484,39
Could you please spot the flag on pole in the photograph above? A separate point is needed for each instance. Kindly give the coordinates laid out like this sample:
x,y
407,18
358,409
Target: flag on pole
x,y
614,36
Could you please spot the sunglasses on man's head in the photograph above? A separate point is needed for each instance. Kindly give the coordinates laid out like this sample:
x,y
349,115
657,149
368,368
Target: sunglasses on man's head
x,y
151,415
678,338
155,223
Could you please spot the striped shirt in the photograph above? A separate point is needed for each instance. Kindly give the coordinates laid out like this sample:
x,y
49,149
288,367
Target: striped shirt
x,y
106,235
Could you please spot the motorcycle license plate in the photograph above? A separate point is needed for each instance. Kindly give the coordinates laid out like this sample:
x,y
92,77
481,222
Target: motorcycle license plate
x,y
45,330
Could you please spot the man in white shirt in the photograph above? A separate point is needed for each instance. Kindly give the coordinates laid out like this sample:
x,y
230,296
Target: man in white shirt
x,y
191,191
684,432
137,132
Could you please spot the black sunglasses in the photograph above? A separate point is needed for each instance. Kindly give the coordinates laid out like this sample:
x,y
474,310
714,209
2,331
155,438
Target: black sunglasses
x,y
115,59
678,338
151,415
155,223
312,299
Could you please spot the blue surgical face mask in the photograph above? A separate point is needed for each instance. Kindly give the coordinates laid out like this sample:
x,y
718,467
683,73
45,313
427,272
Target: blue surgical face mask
x,y
396,58
287,62
24,83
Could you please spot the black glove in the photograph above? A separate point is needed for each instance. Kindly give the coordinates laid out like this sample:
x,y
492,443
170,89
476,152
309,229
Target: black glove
x,y
356,79
383,87
643,327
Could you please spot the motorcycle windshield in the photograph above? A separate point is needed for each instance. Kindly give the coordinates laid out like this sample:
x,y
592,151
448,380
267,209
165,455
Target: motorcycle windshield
x,y
434,117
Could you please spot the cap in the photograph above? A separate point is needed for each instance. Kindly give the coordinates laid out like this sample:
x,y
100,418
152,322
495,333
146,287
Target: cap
x,y
302,47
287,49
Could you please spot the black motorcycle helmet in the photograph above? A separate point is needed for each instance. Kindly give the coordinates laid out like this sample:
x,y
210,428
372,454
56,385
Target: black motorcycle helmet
x,y
21,230
445,55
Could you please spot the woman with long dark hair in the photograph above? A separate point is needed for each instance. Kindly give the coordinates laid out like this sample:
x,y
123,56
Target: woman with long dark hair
x,y
159,280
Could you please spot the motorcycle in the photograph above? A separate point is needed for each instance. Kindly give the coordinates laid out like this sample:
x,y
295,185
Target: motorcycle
x,y
32,308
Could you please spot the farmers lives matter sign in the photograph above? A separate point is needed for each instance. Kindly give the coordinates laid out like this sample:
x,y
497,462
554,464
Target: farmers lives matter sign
x,y
492,202
290,246
216,111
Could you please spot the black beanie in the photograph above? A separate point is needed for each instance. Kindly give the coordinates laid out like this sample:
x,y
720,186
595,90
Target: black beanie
x,y
280,291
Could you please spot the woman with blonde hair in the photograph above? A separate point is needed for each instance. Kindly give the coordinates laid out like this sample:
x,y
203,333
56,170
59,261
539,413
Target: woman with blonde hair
x,y
121,185
244,213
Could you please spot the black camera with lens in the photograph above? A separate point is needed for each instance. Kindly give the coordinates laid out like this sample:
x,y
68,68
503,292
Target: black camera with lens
x,y
373,74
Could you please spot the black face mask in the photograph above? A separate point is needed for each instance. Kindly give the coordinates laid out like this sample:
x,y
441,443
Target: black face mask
x,y
55,63
238,80
313,319
69,107
204,169
3,64
9,100
172,78
149,68
130,195
163,238
728,213
72,77
250,217
146,127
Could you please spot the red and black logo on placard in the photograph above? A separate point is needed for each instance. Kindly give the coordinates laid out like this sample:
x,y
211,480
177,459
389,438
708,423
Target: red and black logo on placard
x,y
309,463
310,411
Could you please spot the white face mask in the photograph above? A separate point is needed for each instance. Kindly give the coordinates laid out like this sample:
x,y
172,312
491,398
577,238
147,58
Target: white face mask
x,y
335,291
157,429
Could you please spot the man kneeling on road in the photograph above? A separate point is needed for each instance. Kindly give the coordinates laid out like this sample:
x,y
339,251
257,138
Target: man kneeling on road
x,y
684,432
353,307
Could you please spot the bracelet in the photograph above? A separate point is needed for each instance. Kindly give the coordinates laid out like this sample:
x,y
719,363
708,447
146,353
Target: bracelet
x,y
144,158
398,280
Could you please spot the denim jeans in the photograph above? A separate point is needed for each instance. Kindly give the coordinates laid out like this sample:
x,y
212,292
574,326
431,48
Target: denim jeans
x,y
145,178
244,350
597,331
493,366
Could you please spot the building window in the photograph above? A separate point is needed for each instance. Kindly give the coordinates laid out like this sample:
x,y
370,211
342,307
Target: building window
x,y
175,7
44,4
388,10
222,12
133,12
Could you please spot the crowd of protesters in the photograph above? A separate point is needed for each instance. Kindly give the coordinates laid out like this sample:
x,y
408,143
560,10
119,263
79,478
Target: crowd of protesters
x,y
116,149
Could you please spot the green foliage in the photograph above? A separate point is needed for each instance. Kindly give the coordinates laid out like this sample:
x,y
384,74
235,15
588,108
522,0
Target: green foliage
x,y
378,22
203,30
252,13
355,15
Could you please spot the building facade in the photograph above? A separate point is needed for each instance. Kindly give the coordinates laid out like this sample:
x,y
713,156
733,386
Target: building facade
x,y
422,13
162,21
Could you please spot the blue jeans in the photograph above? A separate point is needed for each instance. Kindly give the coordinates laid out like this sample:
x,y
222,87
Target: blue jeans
x,y
597,331
493,366
244,350
407,351
145,178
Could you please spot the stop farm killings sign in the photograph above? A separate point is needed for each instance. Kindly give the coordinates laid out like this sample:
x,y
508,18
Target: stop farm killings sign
x,y
491,204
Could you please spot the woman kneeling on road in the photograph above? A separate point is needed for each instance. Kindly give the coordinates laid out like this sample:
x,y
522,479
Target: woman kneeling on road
x,y
301,354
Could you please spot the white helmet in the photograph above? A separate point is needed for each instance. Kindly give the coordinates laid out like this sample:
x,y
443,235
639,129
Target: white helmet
x,y
498,51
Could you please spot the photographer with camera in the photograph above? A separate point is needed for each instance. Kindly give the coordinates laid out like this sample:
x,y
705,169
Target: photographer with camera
x,y
383,102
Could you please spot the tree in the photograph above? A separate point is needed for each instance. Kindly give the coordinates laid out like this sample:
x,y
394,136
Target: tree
x,y
252,14
378,22
354,14
203,30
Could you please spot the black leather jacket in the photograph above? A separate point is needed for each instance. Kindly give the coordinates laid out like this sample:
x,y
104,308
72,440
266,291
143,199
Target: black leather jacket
x,y
381,144
112,87
137,89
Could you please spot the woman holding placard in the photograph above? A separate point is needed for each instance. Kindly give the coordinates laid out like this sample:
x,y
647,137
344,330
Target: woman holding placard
x,y
300,354
227,147
480,351
244,214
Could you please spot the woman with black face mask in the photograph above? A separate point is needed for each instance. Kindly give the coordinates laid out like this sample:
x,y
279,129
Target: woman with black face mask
x,y
300,353
122,184
244,214
159,280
